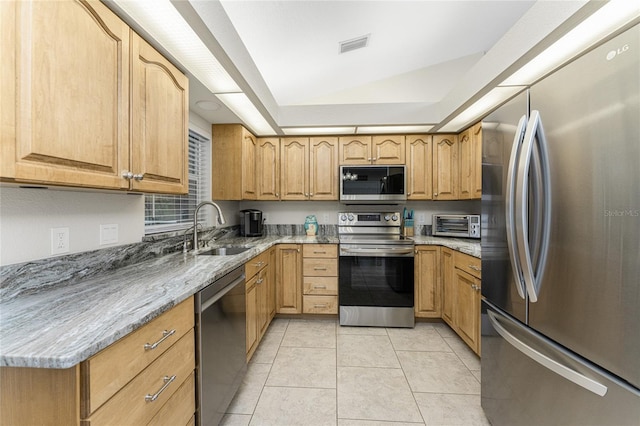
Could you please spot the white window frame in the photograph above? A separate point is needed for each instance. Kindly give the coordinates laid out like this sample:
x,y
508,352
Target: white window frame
x,y
181,217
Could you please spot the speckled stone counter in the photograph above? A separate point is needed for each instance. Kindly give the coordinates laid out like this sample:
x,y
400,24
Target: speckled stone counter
x,y
470,247
57,323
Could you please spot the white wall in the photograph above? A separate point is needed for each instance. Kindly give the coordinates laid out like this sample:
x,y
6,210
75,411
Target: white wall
x,y
294,212
27,216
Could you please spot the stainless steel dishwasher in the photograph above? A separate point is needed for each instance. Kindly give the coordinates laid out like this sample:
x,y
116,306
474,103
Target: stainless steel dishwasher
x,y
221,345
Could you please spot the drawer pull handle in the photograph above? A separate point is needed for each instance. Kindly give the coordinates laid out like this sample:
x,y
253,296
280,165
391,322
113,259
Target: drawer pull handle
x,y
320,306
319,268
167,381
260,281
259,264
165,335
474,267
319,252
320,287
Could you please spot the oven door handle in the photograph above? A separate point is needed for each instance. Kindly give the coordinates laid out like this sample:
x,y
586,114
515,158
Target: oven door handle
x,y
383,251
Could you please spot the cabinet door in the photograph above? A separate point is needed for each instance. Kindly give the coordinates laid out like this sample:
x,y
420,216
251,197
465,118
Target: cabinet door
x,y
476,189
419,159
388,149
289,279
449,299
294,167
427,287
466,164
468,313
252,315
268,169
445,167
355,150
65,93
249,149
160,122
323,168
261,296
271,284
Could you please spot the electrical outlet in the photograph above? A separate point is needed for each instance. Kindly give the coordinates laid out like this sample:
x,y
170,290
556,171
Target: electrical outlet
x,y
421,218
59,240
108,234
325,218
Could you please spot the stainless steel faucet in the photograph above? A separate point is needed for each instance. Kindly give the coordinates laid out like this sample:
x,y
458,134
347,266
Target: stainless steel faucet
x,y
221,220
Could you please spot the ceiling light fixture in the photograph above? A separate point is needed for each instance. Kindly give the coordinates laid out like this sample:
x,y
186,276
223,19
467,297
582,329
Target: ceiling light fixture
x,y
354,43
392,129
242,106
293,131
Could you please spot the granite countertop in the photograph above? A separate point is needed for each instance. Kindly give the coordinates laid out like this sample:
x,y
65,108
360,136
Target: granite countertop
x,y
61,325
464,245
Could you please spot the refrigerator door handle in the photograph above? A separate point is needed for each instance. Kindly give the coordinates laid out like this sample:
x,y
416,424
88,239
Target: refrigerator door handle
x,y
542,359
532,279
510,206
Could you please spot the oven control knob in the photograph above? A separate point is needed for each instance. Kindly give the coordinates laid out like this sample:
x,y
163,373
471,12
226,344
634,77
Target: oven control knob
x,y
343,217
387,218
394,217
351,217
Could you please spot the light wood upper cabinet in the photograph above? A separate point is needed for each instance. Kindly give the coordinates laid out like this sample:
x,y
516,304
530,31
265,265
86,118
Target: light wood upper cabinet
x,y
388,149
466,167
268,169
428,299
355,150
160,122
379,149
92,104
419,167
445,167
323,168
294,168
476,132
66,119
233,175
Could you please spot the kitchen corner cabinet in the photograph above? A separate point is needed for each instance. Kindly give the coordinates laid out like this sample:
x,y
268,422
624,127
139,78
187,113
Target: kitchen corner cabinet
x,y
309,168
379,149
233,175
258,290
428,283
110,387
419,159
71,115
470,142
466,310
288,279
268,169
445,167
449,299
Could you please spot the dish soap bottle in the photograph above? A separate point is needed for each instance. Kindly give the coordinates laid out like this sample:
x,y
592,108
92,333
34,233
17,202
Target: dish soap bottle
x,y
311,225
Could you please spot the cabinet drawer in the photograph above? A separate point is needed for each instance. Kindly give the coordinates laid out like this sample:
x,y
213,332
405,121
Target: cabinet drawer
x,y
471,265
129,356
129,405
256,264
320,267
320,250
320,285
320,304
180,408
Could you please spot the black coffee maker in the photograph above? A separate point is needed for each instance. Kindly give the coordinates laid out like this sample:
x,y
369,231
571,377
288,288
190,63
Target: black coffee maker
x,y
251,223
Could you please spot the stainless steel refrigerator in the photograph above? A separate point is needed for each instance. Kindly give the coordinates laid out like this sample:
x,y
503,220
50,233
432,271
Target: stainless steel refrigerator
x,y
561,245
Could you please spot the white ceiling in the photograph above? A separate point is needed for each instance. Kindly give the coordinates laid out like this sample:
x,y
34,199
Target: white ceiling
x,y
425,59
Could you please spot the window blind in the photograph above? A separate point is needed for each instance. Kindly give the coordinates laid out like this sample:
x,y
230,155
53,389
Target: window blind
x,y
163,213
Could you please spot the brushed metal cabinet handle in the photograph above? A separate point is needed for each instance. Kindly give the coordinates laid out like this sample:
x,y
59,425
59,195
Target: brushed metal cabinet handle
x,y
165,335
167,381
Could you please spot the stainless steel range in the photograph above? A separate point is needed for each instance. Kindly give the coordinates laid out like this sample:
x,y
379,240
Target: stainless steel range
x,y
375,279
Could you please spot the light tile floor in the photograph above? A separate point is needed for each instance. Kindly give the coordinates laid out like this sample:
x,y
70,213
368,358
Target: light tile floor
x,y
315,372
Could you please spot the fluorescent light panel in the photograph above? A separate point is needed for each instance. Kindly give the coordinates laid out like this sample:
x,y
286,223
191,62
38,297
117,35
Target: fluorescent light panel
x,y
489,101
165,24
392,129
319,130
240,104
603,22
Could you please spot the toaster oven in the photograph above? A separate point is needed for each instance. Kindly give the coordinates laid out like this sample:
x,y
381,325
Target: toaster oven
x,y
456,225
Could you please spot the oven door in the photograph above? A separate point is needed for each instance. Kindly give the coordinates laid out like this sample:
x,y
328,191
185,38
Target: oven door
x,y
376,275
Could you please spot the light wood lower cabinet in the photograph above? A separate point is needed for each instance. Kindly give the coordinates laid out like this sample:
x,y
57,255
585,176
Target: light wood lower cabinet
x,y
320,278
112,386
288,279
447,270
259,291
427,296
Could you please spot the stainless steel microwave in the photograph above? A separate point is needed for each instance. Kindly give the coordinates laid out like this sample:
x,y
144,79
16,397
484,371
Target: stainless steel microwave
x,y
456,225
373,184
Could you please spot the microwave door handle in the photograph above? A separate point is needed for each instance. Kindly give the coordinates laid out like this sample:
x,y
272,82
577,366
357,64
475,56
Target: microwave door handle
x,y
510,206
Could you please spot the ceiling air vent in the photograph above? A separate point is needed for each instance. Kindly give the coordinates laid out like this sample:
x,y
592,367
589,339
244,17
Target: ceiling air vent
x,y
354,43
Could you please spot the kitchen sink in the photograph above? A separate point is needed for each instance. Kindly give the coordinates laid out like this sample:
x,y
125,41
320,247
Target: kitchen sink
x,y
224,251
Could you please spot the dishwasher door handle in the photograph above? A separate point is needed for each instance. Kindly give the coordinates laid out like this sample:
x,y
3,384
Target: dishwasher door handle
x,y
219,295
